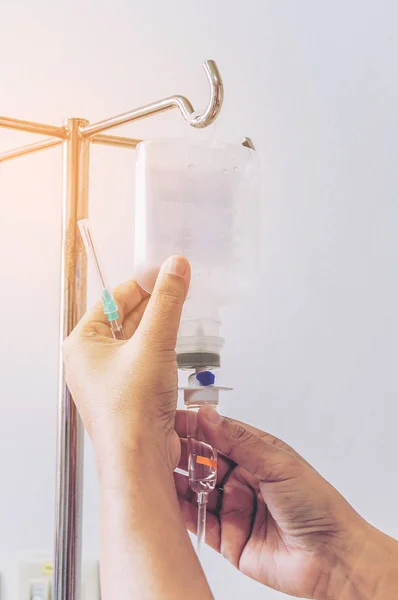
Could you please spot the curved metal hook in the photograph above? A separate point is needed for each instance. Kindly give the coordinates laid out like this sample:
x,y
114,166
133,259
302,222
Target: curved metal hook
x,y
216,96
180,102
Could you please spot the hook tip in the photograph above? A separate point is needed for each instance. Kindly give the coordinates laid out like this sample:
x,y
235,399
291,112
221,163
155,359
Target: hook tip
x,y
216,96
248,143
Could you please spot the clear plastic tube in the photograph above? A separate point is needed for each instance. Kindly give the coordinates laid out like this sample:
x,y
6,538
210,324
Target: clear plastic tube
x,y
201,528
117,330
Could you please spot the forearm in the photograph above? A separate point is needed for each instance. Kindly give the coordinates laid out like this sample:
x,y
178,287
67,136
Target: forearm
x,y
371,574
145,550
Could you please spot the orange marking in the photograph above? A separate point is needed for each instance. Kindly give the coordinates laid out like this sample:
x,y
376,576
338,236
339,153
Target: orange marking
x,y
209,462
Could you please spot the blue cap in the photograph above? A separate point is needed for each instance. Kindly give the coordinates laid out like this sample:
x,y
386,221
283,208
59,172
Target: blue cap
x,y
206,378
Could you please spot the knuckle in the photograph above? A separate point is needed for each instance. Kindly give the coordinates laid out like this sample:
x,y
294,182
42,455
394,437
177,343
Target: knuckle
x,y
275,442
170,297
88,330
237,431
279,466
172,290
166,407
263,471
160,342
280,445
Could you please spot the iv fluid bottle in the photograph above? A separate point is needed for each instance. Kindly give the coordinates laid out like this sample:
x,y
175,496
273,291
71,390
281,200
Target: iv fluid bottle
x,y
201,201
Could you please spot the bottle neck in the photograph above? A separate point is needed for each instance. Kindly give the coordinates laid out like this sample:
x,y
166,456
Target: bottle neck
x,y
199,342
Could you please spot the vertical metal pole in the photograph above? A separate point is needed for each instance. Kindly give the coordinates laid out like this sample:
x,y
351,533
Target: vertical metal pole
x,y
70,442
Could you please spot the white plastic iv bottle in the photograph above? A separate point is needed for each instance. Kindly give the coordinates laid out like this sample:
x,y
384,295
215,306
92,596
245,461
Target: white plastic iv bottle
x,y
201,201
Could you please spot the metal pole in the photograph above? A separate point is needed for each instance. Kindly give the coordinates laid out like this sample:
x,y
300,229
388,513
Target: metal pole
x,y
179,102
114,140
32,127
107,140
30,149
70,442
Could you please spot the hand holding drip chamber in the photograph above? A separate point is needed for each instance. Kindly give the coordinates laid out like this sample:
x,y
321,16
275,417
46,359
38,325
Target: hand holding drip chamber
x,y
202,457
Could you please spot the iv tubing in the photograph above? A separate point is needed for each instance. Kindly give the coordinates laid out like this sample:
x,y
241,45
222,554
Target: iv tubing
x,y
201,530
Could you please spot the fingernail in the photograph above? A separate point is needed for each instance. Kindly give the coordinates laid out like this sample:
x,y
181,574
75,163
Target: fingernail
x,y
212,415
176,265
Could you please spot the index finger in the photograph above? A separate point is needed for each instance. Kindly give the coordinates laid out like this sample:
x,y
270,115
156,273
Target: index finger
x,y
180,425
128,296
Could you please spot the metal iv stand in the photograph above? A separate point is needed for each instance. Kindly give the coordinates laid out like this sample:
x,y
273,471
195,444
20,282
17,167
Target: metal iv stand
x,y
75,136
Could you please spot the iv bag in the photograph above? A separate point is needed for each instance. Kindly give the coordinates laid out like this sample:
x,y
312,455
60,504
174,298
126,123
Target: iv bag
x,y
201,201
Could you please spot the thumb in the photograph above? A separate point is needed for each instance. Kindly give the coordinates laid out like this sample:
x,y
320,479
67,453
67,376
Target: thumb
x,y
162,316
265,457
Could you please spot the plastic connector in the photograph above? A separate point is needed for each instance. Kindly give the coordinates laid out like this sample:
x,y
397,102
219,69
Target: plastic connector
x,y
110,306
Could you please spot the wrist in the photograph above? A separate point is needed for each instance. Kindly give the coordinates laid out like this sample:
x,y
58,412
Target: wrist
x,y
368,572
129,457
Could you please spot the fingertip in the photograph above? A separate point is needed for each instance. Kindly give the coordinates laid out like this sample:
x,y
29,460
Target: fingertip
x,y
211,415
176,265
210,423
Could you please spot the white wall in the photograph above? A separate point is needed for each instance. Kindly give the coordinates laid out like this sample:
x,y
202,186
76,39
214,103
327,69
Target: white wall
x,y
316,86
